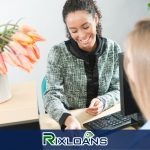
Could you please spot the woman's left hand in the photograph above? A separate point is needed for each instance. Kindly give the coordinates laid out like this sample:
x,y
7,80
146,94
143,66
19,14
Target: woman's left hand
x,y
95,107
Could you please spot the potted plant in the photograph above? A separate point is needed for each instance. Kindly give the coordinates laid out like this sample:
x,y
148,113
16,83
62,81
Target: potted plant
x,y
17,48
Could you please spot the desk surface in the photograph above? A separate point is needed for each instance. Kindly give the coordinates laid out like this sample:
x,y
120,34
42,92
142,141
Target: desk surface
x,y
22,107
48,123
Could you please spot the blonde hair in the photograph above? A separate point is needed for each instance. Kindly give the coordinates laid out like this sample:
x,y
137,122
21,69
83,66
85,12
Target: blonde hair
x,y
138,46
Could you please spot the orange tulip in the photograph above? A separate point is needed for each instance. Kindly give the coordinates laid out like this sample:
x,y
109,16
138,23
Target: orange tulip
x,y
26,28
11,57
35,36
25,63
3,68
36,51
1,71
8,59
22,37
18,48
31,55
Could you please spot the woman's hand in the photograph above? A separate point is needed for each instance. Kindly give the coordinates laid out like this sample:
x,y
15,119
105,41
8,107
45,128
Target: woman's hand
x,y
72,123
95,107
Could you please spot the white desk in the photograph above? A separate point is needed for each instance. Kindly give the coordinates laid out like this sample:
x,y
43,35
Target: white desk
x,y
48,123
22,107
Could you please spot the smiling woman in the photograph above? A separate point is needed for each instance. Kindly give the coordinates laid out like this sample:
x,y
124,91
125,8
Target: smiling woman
x,y
77,69
82,27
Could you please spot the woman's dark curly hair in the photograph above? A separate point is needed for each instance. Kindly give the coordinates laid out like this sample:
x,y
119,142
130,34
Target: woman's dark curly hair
x,y
87,5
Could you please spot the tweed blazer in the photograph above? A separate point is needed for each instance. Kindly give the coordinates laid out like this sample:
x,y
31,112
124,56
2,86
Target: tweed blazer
x,y
66,80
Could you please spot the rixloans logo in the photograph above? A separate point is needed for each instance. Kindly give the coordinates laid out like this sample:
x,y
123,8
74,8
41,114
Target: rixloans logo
x,y
49,138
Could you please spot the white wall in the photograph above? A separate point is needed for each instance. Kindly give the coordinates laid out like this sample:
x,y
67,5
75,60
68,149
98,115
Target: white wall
x,y
45,15
119,16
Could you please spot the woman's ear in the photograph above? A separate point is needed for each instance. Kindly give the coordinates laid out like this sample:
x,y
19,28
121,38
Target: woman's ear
x,y
96,18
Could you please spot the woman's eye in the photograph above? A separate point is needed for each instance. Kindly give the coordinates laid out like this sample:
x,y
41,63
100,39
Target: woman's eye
x,y
74,31
85,27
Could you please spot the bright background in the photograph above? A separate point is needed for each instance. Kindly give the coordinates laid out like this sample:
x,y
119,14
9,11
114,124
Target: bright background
x,y
45,15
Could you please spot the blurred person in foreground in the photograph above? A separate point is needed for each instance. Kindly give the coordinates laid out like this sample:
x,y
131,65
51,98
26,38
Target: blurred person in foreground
x,y
137,66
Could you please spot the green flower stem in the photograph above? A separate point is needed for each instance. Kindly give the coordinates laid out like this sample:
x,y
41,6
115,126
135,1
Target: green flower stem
x,y
4,38
4,25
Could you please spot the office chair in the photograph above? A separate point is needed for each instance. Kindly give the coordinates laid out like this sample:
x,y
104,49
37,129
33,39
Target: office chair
x,y
43,86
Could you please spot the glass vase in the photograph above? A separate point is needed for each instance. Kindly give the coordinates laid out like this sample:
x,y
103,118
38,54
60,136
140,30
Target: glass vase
x,y
5,91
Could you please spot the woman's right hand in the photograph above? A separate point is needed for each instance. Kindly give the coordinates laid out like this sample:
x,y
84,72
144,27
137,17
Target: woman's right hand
x,y
72,123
